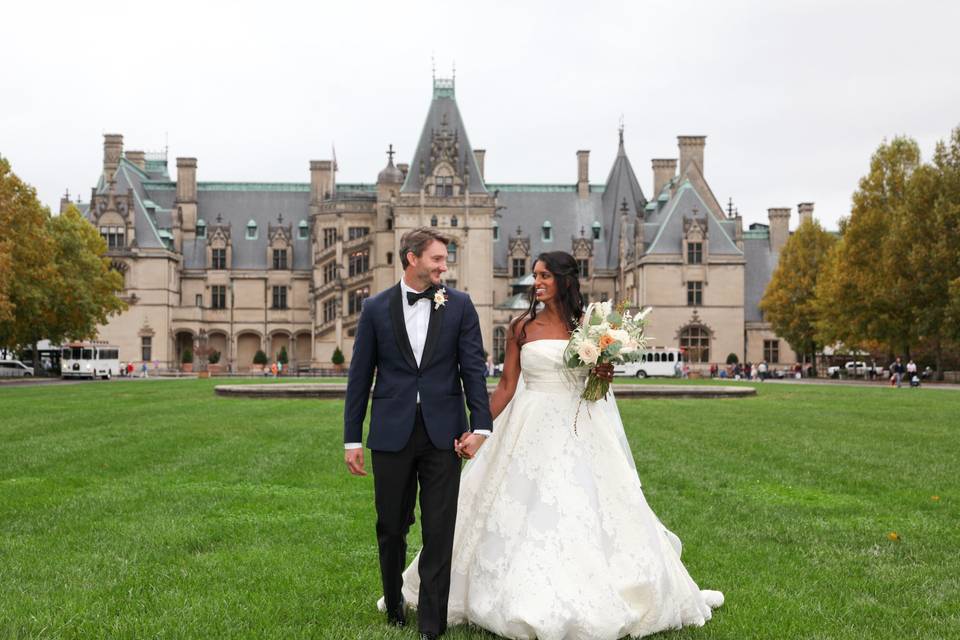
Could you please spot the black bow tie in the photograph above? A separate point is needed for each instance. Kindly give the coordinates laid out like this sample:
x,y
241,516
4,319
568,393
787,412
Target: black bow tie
x,y
413,297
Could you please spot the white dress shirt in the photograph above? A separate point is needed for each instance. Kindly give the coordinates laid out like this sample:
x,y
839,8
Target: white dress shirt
x,y
416,317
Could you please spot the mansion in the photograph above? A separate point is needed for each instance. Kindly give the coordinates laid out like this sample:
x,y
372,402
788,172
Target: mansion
x,y
266,266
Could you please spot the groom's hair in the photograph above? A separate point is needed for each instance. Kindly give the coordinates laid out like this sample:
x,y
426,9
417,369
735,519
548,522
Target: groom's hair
x,y
416,240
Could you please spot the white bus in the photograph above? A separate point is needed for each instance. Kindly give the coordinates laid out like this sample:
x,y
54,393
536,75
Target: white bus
x,y
89,360
657,361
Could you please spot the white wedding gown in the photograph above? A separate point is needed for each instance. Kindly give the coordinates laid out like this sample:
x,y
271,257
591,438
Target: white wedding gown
x,y
554,538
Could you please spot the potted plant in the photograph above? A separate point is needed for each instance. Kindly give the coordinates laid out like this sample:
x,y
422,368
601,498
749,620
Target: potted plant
x,y
186,361
259,362
337,359
213,363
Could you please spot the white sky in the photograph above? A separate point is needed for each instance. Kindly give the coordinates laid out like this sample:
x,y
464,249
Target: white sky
x,y
793,97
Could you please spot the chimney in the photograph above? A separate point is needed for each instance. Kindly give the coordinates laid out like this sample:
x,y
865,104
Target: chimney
x,y
479,155
779,228
583,174
663,171
405,167
138,158
186,179
805,209
112,150
691,152
321,174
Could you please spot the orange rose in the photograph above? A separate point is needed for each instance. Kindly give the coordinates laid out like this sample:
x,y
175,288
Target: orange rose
x,y
606,341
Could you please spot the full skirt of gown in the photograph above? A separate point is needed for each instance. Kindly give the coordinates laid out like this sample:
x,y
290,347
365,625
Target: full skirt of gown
x,y
554,538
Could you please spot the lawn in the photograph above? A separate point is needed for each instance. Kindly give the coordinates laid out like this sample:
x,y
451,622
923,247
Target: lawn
x,y
155,509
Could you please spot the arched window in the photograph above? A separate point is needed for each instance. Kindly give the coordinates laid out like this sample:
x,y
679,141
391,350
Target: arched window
x,y
546,231
433,221
695,340
452,252
499,344
252,229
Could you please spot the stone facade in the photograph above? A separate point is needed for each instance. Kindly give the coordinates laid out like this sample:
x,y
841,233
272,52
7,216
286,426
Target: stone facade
x,y
287,265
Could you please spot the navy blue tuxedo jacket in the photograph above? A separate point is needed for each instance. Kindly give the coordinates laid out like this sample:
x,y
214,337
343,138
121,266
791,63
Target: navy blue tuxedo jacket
x,y
452,365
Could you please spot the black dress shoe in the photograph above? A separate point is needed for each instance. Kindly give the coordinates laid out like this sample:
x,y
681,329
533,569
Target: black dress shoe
x,y
398,617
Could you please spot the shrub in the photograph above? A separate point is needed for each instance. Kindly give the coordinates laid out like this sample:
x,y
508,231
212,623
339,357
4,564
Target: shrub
x,y
337,357
214,357
282,356
186,357
732,358
260,357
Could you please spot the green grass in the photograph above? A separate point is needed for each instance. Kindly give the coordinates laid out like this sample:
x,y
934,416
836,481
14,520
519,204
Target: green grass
x,y
155,509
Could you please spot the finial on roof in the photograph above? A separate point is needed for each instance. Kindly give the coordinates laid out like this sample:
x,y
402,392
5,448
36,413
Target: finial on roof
x,y
730,208
280,217
620,129
390,153
623,207
583,231
219,217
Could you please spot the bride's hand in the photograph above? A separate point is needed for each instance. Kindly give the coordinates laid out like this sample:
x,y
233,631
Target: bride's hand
x,y
604,371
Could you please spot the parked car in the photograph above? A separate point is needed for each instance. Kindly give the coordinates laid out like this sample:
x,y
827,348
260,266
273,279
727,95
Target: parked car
x,y
854,369
14,369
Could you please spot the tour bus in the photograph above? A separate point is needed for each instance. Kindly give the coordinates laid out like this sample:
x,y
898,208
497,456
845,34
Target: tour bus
x,y
656,361
89,360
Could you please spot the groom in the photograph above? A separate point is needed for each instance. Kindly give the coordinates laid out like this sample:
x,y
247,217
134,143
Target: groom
x,y
423,342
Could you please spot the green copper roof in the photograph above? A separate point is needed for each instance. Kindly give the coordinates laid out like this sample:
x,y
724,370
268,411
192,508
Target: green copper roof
x,y
542,188
756,234
298,187
443,88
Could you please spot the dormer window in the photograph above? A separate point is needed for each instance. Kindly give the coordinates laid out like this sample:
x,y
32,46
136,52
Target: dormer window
x,y
595,229
113,236
443,186
546,231
454,221
452,252
201,228
252,230
433,221
303,230
496,231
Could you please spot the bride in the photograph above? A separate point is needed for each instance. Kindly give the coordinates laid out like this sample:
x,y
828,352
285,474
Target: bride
x,y
554,538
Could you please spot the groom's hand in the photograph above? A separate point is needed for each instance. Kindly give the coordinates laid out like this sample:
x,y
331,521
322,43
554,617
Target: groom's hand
x,y
354,460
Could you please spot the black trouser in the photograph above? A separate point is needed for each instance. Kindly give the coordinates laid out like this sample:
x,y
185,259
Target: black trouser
x,y
395,478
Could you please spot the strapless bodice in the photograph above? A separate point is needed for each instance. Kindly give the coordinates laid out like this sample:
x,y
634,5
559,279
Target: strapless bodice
x,y
541,363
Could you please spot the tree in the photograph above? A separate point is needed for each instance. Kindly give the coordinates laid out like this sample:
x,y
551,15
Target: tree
x,y
789,303
282,357
337,358
85,293
862,294
260,357
28,271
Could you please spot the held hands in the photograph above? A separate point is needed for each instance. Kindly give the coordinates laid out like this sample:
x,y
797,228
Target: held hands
x,y
604,371
354,460
468,444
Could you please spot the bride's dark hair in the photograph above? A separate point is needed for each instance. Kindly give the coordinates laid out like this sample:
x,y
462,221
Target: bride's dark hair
x,y
565,271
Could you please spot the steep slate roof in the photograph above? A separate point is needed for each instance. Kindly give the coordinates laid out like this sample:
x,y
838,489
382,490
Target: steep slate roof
x,y
669,234
443,115
529,206
761,262
621,186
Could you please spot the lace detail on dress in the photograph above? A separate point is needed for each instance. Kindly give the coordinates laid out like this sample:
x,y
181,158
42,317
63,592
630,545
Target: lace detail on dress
x,y
554,537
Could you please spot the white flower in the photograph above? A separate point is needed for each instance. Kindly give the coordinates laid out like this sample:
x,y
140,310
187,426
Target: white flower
x,y
439,299
629,347
619,335
588,353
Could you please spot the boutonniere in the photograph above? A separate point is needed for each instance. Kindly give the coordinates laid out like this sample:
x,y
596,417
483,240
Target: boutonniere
x,y
439,299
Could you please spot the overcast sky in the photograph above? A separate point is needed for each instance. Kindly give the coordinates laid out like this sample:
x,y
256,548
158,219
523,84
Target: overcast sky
x,y
793,97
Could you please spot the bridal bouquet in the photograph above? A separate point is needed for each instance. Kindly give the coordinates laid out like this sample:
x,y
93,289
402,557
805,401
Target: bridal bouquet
x,y
606,334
